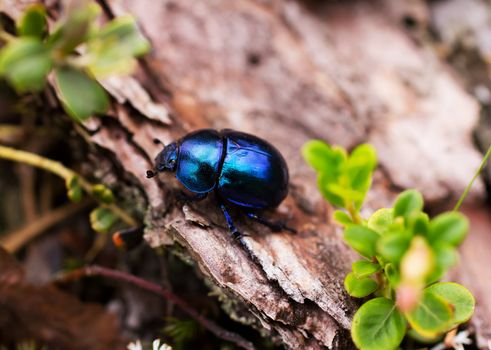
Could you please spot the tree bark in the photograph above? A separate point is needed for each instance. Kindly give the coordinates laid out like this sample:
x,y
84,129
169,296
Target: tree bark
x,y
287,71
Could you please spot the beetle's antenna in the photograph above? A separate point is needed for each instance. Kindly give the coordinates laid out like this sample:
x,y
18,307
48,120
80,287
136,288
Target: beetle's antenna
x,y
158,142
150,174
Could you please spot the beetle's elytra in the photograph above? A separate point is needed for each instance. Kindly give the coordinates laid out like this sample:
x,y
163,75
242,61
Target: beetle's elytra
x,y
240,168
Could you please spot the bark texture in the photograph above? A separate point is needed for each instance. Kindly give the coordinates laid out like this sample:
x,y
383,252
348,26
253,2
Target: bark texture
x,y
286,71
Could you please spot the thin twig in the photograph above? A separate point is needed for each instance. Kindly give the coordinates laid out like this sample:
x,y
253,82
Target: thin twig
x,y
99,244
467,189
59,169
28,193
218,331
16,239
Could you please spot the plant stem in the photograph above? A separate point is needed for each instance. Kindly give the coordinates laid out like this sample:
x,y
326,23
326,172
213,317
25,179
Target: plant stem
x,y
355,216
116,275
59,169
467,189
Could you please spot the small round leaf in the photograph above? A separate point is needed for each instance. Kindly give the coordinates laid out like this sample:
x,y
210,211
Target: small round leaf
x,y
322,157
393,245
359,287
102,219
364,268
381,220
362,239
432,316
407,203
33,22
450,228
342,218
81,95
378,325
458,296
25,63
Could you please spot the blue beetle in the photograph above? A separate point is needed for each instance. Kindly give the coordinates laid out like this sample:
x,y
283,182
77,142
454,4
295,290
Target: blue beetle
x,y
240,168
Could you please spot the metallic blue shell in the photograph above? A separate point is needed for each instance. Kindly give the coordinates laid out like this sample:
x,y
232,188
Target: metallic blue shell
x,y
254,173
199,158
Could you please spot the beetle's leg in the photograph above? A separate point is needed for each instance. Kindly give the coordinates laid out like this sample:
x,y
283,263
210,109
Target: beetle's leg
x,y
275,226
233,230
187,198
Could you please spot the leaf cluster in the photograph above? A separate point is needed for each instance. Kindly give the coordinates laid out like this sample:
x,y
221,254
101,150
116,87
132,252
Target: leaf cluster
x,y
102,218
78,50
404,254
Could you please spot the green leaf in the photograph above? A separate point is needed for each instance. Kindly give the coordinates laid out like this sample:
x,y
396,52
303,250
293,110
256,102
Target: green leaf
x,y
81,95
450,228
419,223
381,220
408,203
359,169
112,50
323,180
378,325
25,63
33,22
74,191
458,296
75,194
393,245
102,219
342,218
347,194
124,30
392,274
432,316
362,239
76,27
445,257
422,339
324,158
102,193
364,268
359,287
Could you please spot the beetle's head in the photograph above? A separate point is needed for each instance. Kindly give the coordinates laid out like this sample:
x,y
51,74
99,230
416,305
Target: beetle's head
x,y
165,160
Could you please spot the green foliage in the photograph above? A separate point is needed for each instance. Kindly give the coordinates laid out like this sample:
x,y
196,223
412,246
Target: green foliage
x,y
81,95
102,219
26,60
378,325
181,331
33,22
342,179
448,228
342,218
364,268
462,301
359,287
362,239
74,190
406,251
25,63
408,203
432,315
102,193
113,48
